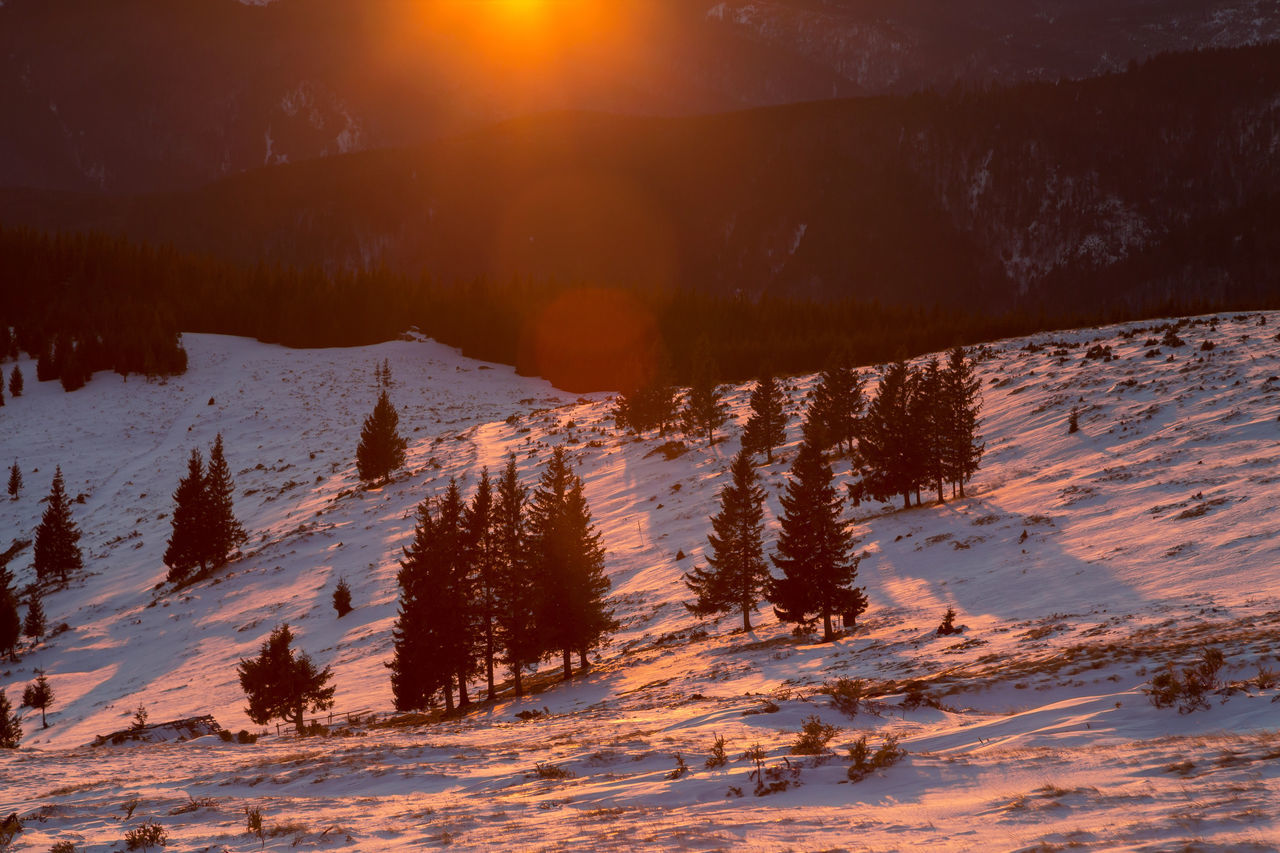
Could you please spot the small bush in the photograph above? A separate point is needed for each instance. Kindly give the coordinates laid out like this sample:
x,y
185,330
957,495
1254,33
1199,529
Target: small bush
x,y
146,836
865,762
1188,689
948,626
717,758
1266,678
244,736
814,737
545,770
225,736
1073,421
253,823
681,768
1171,339
847,694
1208,346
62,847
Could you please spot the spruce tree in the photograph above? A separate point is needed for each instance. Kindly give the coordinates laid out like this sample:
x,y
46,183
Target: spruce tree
x,y
15,480
33,626
222,532
704,409
886,442
381,448
280,683
16,382
737,576
838,402
931,420
39,694
568,564
516,593
188,543
433,640
814,547
10,623
963,392
484,562
57,549
767,425
342,598
10,728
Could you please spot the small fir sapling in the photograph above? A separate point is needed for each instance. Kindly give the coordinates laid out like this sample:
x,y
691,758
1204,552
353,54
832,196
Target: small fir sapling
x,y
16,382
948,626
15,480
33,626
342,598
1073,421
10,729
39,694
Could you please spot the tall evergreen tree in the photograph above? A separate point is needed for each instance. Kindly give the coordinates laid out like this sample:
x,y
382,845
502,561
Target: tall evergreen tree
x,y
15,381
814,547
767,425
482,546
10,728
57,549
651,404
15,480
737,576
704,409
188,543
280,683
33,626
10,623
433,637
223,533
39,694
381,449
930,419
838,402
963,395
568,564
886,444
516,593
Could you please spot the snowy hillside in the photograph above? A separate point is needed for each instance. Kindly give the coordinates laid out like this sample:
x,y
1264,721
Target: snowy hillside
x,y
1079,564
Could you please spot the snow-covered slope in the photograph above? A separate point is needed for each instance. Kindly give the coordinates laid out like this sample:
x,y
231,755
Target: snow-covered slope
x,y
1079,563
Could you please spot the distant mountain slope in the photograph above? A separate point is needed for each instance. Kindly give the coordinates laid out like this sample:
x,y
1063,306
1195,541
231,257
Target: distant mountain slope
x,y
1080,564
1129,189
139,95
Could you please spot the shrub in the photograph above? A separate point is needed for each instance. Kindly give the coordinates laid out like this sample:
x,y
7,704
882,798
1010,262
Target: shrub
x,y
681,768
948,626
545,770
1266,678
244,736
847,694
864,762
62,847
146,836
1073,421
1189,688
717,758
814,737
253,823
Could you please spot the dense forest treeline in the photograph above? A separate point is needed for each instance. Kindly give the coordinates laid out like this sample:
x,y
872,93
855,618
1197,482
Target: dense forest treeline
x,y
1117,191
122,306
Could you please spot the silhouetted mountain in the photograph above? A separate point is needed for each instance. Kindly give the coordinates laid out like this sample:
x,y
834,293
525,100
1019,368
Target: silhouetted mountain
x,y
141,95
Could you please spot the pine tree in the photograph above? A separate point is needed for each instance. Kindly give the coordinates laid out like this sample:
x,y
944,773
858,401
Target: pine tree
x,y
433,639
47,362
280,683
484,560
649,405
222,532
568,563
10,728
704,409
886,449
813,551
188,543
737,576
931,420
342,598
16,381
33,626
57,550
10,623
39,694
963,391
381,448
838,402
15,480
515,592
767,426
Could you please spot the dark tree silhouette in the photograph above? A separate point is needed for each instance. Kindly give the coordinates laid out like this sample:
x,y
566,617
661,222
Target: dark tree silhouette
x,y
767,425
16,382
10,623
381,448
736,576
280,683
704,409
342,598
813,551
963,393
57,549
886,444
188,541
516,593
223,533
483,550
39,694
931,420
568,562
15,480
838,402
10,728
34,624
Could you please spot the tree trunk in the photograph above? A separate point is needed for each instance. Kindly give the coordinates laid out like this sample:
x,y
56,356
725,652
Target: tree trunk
x,y
448,698
941,498
827,634
488,664
298,719
961,483
906,500
746,618
568,664
516,677
44,724
463,699
582,660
